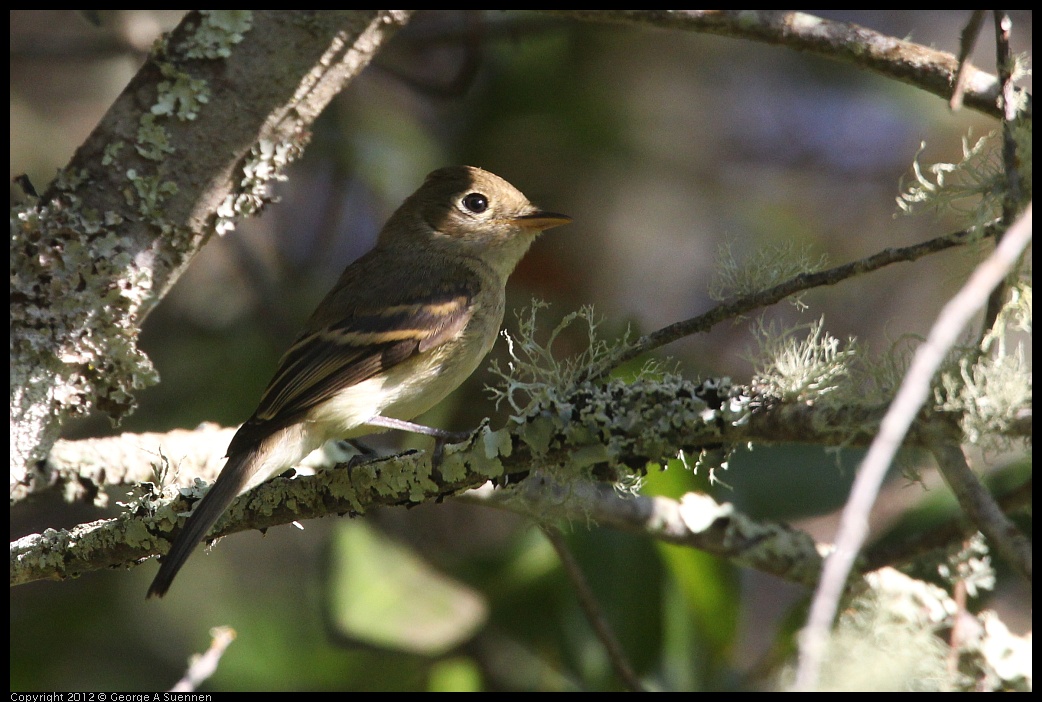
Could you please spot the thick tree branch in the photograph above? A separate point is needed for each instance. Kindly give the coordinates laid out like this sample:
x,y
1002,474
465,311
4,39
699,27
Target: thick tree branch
x,y
190,146
608,430
82,470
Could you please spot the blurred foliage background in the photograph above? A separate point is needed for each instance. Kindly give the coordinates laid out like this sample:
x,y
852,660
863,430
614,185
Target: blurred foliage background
x,y
663,146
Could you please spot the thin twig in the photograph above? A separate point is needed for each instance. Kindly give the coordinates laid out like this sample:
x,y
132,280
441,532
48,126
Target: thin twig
x,y
914,391
589,604
966,43
765,298
956,637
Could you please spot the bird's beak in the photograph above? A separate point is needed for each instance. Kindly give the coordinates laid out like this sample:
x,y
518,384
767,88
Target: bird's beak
x,y
541,221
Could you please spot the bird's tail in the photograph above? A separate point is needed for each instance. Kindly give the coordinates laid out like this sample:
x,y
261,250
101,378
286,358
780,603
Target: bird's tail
x,y
234,479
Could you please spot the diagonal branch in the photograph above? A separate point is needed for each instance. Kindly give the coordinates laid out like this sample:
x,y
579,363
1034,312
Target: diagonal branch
x,y
192,144
904,409
982,509
770,296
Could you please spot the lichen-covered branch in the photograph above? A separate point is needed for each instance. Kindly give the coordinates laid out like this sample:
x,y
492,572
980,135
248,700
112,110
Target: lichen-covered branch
x,y
144,528
1012,195
611,431
695,521
82,470
222,104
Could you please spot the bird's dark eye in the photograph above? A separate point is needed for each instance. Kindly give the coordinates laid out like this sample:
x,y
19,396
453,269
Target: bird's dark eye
x,y
475,202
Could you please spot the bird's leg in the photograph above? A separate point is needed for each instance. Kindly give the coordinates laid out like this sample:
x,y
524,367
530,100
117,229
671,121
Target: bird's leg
x,y
445,435
441,436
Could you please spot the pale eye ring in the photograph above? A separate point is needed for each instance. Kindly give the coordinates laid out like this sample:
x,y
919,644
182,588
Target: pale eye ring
x,y
475,202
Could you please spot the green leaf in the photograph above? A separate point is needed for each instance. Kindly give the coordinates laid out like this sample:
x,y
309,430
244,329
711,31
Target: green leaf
x,y
385,596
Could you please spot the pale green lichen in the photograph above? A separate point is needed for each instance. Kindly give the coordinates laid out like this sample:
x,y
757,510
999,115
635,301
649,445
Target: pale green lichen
x,y
974,188
265,164
111,153
56,544
63,255
800,364
137,535
989,386
534,373
349,484
153,141
410,478
218,32
484,453
769,266
496,443
180,95
90,351
752,542
69,180
896,636
1015,316
147,193
888,639
620,424
969,565
988,393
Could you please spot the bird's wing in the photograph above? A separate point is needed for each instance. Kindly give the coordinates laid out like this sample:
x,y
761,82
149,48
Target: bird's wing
x,y
367,339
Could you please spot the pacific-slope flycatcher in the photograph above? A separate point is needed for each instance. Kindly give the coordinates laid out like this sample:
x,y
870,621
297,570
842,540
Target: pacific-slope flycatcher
x,y
404,326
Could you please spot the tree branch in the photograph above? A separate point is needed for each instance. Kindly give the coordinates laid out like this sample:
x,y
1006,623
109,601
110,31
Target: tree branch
x,y
982,509
694,521
777,293
594,613
1013,197
928,69
82,470
218,109
911,396
609,430
916,546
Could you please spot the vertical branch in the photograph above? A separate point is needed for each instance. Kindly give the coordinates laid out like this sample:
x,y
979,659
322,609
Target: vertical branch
x,y
1004,64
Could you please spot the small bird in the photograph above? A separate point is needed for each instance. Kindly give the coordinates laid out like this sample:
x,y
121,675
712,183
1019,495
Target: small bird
x,y
403,327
